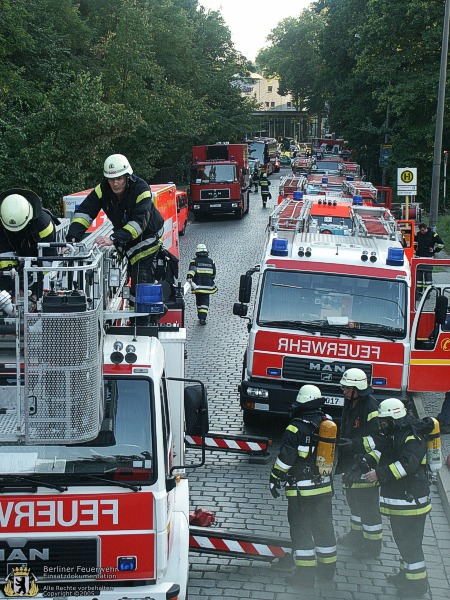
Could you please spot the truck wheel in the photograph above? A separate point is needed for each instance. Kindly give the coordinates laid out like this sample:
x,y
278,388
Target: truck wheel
x,y
248,202
239,213
183,231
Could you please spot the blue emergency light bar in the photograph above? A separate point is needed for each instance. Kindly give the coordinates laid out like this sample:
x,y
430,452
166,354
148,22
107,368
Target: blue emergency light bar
x,y
324,179
297,196
395,257
348,178
279,247
357,200
149,298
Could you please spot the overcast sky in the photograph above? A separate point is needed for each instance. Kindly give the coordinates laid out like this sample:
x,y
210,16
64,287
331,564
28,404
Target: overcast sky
x,y
251,21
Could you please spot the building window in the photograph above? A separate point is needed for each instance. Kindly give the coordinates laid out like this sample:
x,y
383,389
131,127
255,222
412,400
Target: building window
x,y
272,105
270,88
289,104
267,105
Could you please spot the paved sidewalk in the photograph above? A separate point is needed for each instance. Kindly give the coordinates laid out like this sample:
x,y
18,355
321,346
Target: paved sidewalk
x,y
429,404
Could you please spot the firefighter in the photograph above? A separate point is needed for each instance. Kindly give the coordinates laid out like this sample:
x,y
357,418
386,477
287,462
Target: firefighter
x,y
309,495
138,225
255,179
405,493
201,275
265,184
24,224
359,429
429,243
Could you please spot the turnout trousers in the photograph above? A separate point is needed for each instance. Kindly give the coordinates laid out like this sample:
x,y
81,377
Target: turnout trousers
x,y
365,517
312,534
408,535
202,302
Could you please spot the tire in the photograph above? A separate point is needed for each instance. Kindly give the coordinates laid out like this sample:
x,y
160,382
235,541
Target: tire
x,y
248,203
183,231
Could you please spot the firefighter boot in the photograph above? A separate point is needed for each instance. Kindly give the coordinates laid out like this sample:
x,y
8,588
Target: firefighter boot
x,y
367,550
352,539
397,579
413,589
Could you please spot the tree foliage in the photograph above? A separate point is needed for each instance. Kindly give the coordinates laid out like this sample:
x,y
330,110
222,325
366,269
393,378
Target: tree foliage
x,y
81,79
376,64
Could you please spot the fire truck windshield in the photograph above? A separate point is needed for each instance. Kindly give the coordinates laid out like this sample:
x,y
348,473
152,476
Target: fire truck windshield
x,y
320,302
214,173
124,443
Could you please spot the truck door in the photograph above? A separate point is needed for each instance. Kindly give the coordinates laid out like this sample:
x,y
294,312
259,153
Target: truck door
x,y
430,343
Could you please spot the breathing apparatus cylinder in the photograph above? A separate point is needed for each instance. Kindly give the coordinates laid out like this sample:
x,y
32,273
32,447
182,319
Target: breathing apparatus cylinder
x,y
326,447
434,454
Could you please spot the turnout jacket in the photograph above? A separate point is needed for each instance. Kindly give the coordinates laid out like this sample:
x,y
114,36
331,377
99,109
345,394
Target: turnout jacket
x,y
41,228
296,461
264,184
427,240
360,424
136,221
202,271
402,471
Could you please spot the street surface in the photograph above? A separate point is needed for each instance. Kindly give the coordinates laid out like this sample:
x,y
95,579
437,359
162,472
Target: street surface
x,y
236,491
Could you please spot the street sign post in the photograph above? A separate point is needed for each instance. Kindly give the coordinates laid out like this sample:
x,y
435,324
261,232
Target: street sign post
x,y
407,181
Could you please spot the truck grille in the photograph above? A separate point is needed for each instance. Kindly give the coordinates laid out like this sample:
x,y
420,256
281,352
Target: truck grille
x,y
215,194
311,370
52,560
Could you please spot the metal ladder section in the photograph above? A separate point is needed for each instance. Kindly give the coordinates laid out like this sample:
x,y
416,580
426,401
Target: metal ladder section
x,y
289,215
58,346
361,188
374,221
290,184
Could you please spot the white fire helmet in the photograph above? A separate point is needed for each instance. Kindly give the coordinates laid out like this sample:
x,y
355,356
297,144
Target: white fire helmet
x,y
116,165
15,212
201,248
308,393
355,378
391,407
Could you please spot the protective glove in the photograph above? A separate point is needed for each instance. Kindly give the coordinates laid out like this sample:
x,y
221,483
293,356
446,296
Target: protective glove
x,y
274,489
345,443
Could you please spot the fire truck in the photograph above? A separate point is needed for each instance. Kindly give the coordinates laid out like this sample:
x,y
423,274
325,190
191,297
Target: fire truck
x,y
220,180
325,303
94,496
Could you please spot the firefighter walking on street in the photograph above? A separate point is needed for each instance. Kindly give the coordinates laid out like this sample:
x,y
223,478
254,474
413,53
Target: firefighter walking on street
x,y
200,276
309,494
264,184
359,431
405,493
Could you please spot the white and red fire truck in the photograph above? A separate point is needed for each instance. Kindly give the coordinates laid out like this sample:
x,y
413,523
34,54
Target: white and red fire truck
x,y
325,303
93,494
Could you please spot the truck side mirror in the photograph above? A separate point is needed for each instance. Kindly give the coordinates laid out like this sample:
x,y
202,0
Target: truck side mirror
x,y
245,289
440,310
196,410
239,309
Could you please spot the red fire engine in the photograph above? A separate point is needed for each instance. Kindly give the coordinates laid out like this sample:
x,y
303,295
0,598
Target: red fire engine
x,y
220,179
325,303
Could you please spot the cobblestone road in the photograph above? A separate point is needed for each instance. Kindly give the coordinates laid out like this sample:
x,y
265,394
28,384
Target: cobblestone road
x,y
237,491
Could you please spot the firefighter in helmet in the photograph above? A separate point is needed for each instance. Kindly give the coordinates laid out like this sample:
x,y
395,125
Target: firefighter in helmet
x,y
137,223
309,495
201,275
264,184
400,468
24,224
359,431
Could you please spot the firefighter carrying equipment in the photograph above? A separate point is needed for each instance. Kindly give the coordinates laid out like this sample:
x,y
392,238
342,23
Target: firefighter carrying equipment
x,y
326,447
116,165
15,212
